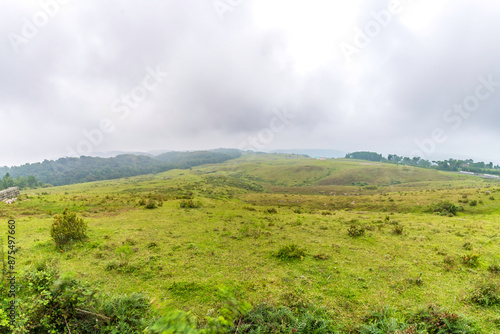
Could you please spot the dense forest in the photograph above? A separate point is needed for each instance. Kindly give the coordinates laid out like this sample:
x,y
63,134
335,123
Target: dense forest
x,y
66,171
450,165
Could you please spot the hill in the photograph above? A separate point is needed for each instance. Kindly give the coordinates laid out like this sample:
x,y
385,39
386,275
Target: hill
x,y
87,169
336,238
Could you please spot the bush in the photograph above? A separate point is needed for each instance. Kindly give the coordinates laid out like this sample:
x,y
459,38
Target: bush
x,y
355,231
398,230
494,268
486,294
290,252
272,210
189,204
67,227
269,319
151,204
445,208
431,320
471,259
473,203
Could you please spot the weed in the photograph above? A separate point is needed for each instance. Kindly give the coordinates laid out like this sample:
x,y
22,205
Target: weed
x,y
494,268
355,231
398,230
445,208
486,294
151,204
471,259
321,256
467,246
290,252
189,204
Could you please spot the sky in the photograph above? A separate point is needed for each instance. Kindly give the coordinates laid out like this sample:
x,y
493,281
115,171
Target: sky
x,y
407,77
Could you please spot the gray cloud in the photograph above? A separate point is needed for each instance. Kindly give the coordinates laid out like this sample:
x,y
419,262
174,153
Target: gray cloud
x,y
226,76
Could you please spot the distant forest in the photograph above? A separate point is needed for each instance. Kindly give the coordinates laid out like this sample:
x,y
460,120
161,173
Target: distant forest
x,y
451,165
66,171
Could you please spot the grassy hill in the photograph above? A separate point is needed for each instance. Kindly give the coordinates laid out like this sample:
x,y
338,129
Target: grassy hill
x,y
245,210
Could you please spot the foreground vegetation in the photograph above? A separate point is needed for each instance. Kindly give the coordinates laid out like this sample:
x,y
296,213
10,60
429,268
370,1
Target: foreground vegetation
x,y
263,244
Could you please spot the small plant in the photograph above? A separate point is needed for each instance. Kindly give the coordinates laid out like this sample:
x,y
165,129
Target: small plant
x,y
272,210
321,256
445,208
486,294
449,263
355,231
473,203
151,204
398,230
471,259
494,268
67,227
189,204
124,251
291,252
467,246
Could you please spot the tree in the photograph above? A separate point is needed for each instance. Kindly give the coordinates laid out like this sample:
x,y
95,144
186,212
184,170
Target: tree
x,y
7,181
32,182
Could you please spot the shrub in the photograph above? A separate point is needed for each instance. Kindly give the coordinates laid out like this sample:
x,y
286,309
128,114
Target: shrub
x,y
67,227
494,268
398,230
449,263
189,204
290,252
467,246
355,231
272,210
321,256
282,320
445,208
151,204
431,320
486,294
471,259
473,203
434,320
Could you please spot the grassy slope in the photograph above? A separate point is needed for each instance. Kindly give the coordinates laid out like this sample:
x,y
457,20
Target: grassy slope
x,y
231,239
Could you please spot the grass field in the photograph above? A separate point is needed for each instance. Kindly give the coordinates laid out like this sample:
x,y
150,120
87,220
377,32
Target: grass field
x,y
405,256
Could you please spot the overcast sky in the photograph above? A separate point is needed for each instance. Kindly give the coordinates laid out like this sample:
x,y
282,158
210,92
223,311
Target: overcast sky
x,y
417,77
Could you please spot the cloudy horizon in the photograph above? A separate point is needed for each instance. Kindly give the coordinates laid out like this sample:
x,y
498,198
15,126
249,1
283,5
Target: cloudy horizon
x,y
414,78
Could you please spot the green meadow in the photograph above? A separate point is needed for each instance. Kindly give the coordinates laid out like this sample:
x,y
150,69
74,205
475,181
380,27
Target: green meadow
x,y
369,236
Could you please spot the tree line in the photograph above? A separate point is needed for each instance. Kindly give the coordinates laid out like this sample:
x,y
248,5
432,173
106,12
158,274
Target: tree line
x,y
66,171
451,165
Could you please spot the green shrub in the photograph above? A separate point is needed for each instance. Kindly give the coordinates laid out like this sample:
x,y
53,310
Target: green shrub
x,y
471,259
282,320
494,268
467,246
67,227
445,208
189,204
290,252
435,321
127,313
355,231
473,203
272,210
431,320
398,230
321,256
151,204
486,294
